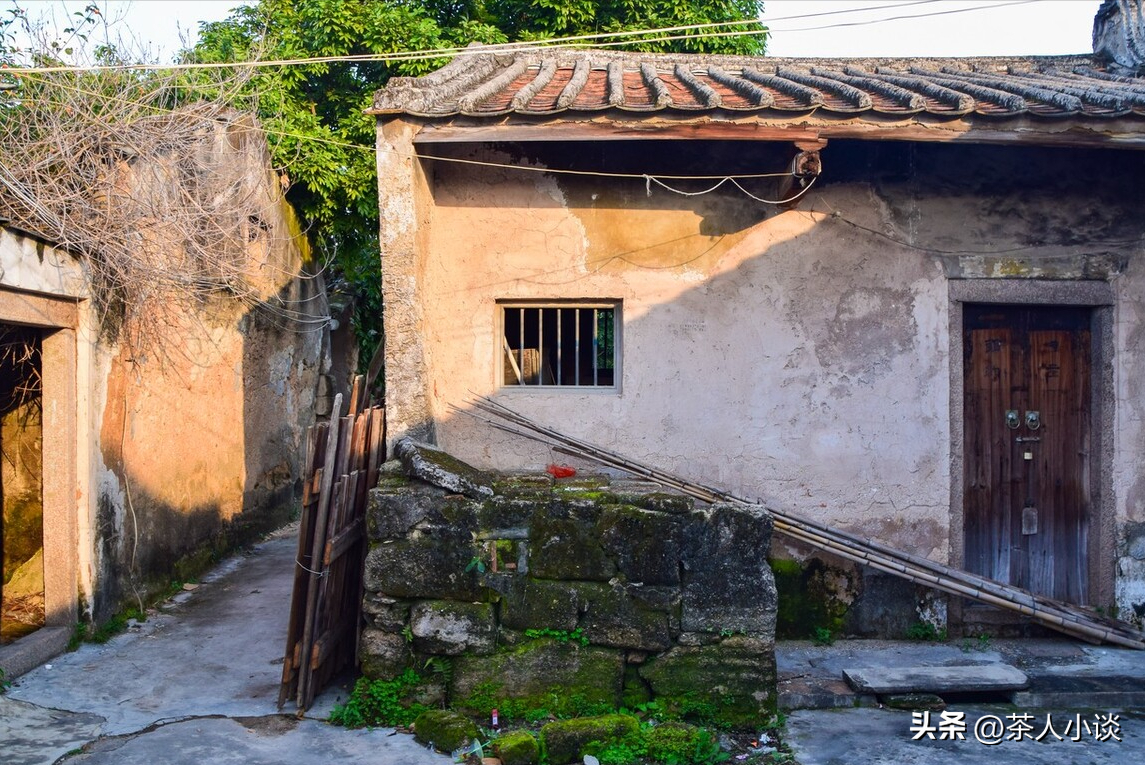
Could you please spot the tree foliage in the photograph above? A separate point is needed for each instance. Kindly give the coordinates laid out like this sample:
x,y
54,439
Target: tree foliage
x,y
314,113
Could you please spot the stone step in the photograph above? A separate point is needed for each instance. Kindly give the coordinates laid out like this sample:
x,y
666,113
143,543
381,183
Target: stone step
x,y
976,678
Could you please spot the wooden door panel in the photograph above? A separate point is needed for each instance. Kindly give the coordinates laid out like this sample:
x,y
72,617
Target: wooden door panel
x,y
1059,391
1026,481
990,368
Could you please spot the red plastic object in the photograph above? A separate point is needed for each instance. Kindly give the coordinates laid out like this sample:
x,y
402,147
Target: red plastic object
x,y
560,471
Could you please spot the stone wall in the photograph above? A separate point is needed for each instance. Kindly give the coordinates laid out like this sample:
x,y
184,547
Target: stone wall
x,y
525,592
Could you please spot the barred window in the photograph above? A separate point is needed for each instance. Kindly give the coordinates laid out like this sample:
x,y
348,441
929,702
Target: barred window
x,y
560,345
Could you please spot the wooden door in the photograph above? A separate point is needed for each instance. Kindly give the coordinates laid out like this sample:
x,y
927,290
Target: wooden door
x,y
1027,442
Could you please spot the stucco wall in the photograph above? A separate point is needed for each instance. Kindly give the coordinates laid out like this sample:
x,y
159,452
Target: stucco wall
x,y
157,458
801,356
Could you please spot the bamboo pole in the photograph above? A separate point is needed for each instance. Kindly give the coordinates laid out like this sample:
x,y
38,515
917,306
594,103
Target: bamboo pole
x,y
1051,613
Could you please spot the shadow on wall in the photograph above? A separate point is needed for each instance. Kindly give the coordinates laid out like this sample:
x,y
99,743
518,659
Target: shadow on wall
x,y
204,448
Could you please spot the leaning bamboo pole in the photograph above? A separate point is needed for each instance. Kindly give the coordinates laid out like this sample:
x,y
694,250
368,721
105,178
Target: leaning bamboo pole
x,y
1059,616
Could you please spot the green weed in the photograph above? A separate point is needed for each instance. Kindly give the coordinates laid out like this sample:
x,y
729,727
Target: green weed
x,y
822,636
926,632
378,703
561,636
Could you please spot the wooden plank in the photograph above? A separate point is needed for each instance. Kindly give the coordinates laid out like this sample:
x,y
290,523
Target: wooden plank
x,y
305,692
377,445
343,540
297,618
326,646
357,395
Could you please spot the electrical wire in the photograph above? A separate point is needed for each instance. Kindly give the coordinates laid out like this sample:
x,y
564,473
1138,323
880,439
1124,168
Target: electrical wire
x,y
599,40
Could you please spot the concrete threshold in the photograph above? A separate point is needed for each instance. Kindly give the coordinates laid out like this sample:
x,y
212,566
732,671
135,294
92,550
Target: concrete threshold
x,y
1038,673
962,678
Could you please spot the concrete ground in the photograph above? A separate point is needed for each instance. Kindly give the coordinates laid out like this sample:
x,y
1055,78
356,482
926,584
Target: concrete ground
x,y
197,683
1079,700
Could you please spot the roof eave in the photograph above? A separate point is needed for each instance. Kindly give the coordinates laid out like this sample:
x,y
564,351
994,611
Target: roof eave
x,y
1077,131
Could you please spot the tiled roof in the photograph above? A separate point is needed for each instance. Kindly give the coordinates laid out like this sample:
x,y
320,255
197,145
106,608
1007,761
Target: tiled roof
x,y
572,83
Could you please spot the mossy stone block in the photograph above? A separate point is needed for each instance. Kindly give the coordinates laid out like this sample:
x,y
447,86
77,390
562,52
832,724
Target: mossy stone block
x,y
443,470
383,655
385,613
613,617
425,566
732,682
728,583
528,603
635,691
645,544
524,486
504,512
536,674
567,547
659,501
517,748
565,739
444,730
811,596
392,511
449,628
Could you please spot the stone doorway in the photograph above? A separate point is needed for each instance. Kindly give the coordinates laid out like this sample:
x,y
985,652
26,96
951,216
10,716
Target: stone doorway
x,y
22,584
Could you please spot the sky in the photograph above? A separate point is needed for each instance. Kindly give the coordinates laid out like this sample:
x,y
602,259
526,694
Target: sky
x,y
884,28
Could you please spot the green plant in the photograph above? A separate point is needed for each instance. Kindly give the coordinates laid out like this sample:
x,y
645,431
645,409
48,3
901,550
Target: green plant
x,y
379,703
86,632
476,563
5,684
926,632
441,666
624,751
980,643
561,636
822,636
678,744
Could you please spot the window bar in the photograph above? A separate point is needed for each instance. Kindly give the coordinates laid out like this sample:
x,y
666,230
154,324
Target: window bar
x,y
576,347
540,346
521,345
595,345
560,369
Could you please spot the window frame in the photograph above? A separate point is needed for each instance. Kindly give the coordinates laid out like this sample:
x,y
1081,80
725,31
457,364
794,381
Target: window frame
x,y
503,305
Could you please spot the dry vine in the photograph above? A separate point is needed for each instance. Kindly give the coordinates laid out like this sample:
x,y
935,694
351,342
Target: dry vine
x,y
153,181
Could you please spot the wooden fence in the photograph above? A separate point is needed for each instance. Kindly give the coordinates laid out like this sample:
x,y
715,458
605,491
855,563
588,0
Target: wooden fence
x,y
343,456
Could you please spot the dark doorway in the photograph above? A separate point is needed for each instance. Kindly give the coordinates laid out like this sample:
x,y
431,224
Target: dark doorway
x,y
21,483
1028,425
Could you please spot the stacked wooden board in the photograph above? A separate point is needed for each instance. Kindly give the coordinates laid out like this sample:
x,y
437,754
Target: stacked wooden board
x,y
343,457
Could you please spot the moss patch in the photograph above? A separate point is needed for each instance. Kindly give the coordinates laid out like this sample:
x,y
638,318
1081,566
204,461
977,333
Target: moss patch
x,y
518,748
444,730
729,684
809,600
561,678
565,739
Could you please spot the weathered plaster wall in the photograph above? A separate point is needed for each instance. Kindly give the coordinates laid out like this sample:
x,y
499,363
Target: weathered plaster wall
x,y
200,445
756,354
797,355
157,460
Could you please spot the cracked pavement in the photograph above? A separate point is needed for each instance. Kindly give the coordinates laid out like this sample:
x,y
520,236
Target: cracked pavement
x,y
197,682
